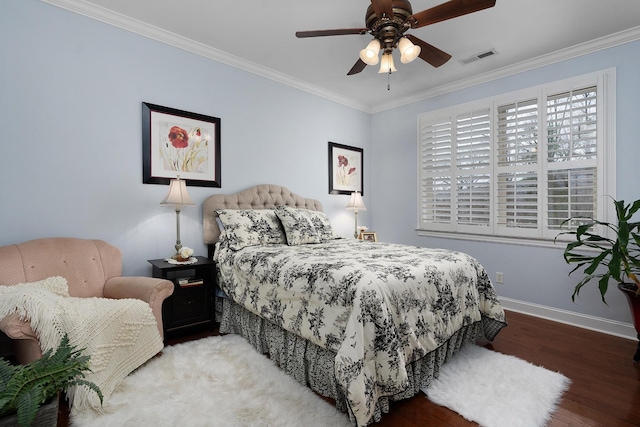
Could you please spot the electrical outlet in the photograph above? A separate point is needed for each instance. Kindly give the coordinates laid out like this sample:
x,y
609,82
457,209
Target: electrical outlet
x,y
499,277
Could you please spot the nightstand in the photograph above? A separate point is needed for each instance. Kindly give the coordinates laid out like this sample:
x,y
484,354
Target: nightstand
x,y
191,305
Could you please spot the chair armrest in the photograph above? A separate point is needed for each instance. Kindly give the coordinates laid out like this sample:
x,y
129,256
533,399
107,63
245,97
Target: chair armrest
x,y
17,329
148,289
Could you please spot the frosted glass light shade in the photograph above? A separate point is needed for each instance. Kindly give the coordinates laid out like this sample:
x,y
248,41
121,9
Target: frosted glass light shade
x,y
369,54
408,50
386,64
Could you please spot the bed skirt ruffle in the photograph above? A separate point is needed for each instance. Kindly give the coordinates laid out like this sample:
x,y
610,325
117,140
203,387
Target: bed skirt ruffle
x,y
313,366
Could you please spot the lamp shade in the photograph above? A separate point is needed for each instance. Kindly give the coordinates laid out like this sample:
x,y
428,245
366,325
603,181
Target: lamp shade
x,y
369,54
177,194
356,203
386,64
408,50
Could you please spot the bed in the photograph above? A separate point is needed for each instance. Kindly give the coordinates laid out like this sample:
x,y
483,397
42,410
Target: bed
x,y
359,322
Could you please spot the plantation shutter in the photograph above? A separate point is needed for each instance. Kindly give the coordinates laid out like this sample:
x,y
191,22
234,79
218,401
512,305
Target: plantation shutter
x,y
516,170
571,156
455,171
520,164
473,170
435,166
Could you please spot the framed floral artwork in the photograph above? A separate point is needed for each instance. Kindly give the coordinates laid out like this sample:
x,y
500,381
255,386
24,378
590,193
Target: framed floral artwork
x,y
179,143
345,169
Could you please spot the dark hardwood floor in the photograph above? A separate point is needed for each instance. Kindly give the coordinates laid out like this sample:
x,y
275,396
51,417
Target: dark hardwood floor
x,y
605,383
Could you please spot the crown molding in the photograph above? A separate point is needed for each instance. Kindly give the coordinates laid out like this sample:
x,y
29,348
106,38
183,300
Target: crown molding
x,y
138,27
601,43
133,25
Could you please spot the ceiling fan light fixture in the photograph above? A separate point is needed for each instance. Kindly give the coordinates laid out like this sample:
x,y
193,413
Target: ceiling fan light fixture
x,y
369,54
386,64
408,50
388,20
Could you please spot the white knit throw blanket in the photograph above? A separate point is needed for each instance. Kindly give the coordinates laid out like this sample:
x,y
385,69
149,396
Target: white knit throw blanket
x,y
119,335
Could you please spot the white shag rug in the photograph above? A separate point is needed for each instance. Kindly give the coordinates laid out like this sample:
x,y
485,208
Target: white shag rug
x,y
215,381
497,390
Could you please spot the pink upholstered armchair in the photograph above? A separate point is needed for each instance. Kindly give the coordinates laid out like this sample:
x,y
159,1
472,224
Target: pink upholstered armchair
x,y
92,268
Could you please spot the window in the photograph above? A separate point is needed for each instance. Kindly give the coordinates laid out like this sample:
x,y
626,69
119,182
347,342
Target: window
x,y
519,164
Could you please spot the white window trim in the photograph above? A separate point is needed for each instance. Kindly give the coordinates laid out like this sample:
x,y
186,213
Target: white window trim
x,y
606,148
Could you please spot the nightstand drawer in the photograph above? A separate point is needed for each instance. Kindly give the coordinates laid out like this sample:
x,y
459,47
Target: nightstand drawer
x,y
190,304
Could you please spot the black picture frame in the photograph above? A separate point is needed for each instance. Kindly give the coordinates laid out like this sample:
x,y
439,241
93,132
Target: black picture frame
x,y
179,143
346,169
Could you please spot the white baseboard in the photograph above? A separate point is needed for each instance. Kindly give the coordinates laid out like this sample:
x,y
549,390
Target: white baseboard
x,y
598,324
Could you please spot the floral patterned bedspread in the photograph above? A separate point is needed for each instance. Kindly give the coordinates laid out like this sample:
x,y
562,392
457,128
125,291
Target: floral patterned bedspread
x,y
379,306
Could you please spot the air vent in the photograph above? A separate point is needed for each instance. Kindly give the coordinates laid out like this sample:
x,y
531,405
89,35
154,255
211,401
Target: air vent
x,y
479,56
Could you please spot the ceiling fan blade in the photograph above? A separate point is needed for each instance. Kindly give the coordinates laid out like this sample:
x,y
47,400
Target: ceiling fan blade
x,y
430,53
357,67
382,7
339,32
448,10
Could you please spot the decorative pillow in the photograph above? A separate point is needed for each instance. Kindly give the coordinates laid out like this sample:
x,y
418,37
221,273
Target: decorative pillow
x,y
303,226
251,227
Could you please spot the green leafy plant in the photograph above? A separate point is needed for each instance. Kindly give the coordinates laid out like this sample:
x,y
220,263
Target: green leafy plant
x,y
24,388
605,258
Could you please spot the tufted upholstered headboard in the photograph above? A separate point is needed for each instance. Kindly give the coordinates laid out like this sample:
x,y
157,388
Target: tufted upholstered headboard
x,y
264,196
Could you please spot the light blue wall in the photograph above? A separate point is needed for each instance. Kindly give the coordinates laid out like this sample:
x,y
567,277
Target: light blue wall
x,y
532,274
71,149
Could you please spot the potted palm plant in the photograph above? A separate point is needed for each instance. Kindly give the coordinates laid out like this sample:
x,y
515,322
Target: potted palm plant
x,y
609,256
29,393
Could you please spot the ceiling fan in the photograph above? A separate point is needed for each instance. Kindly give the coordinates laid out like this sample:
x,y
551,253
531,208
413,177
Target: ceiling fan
x,y
388,20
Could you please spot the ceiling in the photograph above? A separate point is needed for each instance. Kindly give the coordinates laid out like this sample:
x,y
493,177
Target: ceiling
x,y
259,36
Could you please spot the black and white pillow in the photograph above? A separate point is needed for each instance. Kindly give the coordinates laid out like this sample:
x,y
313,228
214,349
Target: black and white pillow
x,y
303,226
251,227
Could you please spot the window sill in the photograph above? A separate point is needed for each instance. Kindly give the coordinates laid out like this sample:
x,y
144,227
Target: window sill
x,y
507,240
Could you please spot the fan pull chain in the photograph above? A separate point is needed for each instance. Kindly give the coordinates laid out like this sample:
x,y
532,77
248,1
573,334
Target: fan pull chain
x,y
389,80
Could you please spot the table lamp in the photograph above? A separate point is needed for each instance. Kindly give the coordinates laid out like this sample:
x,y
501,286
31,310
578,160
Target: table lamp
x,y
177,196
355,204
